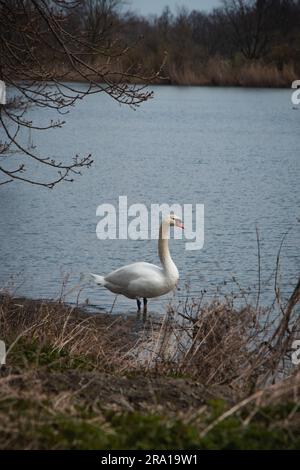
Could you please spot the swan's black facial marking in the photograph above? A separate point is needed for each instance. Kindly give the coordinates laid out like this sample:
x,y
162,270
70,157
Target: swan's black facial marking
x,y
172,220
176,221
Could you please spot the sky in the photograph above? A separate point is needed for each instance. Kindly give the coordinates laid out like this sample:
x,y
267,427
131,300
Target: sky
x,y
147,7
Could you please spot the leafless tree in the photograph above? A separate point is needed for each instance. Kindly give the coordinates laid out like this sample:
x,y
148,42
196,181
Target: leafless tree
x,y
43,50
248,19
99,19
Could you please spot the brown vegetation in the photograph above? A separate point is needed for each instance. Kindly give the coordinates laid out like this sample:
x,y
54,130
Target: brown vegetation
x,y
81,366
221,72
245,43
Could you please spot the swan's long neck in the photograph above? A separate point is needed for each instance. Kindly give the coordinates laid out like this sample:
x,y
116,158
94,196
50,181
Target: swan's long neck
x,y
164,253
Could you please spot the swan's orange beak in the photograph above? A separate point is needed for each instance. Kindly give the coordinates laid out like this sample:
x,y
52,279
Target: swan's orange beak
x,y
179,224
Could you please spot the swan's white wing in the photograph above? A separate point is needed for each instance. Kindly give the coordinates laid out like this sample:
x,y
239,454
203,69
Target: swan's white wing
x,y
122,277
138,280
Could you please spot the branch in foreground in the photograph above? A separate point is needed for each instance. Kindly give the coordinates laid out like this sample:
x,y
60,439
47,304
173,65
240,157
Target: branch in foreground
x,y
42,49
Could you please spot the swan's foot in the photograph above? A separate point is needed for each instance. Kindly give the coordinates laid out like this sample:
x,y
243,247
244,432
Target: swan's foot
x,y
139,304
145,305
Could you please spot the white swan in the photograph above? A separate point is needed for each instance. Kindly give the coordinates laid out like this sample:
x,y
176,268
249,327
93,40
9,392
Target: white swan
x,y
145,280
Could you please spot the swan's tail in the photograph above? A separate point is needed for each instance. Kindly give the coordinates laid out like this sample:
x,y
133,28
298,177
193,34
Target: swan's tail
x,y
98,279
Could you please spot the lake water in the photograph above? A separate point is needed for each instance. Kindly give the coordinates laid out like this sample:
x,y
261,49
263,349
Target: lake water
x,y
234,150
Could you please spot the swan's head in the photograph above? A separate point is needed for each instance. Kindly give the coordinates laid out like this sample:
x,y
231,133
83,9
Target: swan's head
x,y
174,220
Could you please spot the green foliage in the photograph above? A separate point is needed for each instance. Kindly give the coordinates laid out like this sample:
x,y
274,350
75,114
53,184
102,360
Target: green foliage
x,y
138,431
31,353
109,430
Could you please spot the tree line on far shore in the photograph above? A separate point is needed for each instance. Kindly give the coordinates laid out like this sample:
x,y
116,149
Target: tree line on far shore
x,y
243,42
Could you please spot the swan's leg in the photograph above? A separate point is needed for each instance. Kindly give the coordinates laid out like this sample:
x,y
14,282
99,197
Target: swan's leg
x,y
139,304
145,304
112,307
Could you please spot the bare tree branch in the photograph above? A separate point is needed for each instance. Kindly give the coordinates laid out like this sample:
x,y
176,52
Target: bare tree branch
x,y
43,47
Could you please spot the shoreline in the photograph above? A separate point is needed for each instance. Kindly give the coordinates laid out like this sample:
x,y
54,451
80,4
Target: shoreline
x,y
166,82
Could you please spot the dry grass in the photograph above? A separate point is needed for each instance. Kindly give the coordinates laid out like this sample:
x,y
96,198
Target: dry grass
x,y
102,339
266,75
245,349
216,71
65,364
221,72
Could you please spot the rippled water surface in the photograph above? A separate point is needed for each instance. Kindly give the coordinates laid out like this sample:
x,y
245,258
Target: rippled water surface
x,y
234,150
